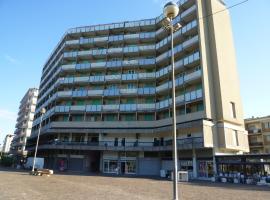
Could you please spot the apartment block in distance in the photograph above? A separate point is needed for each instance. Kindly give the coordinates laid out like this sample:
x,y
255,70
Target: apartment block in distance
x,y
24,122
7,143
107,92
258,134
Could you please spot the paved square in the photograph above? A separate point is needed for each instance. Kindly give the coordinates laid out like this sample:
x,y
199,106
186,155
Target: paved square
x,y
20,185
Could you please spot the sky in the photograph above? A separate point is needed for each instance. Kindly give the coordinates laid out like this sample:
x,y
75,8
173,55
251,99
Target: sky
x,y
30,29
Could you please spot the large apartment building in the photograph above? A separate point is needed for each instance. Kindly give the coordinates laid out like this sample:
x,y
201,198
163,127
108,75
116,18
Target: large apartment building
x,y
258,134
107,92
24,122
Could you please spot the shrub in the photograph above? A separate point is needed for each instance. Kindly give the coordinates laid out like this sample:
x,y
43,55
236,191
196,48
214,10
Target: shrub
x,y
7,161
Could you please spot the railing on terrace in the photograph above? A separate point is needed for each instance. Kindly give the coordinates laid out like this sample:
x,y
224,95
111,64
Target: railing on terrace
x,y
186,143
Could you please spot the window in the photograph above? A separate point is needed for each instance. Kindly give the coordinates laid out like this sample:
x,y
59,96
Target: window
x,y
267,138
130,86
266,125
233,111
149,100
65,118
80,102
130,100
148,117
200,107
235,138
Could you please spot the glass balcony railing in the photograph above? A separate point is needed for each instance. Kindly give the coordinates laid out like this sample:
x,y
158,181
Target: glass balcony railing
x,y
78,108
98,65
64,94
115,50
129,91
127,107
113,77
69,67
146,90
72,42
127,77
95,92
188,11
146,106
178,48
110,107
132,36
183,143
93,108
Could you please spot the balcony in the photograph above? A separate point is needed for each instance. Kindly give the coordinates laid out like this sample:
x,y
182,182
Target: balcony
x,y
193,75
128,107
146,90
128,91
114,107
182,144
128,77
70,67
64,94
113,77
132,37
93,108
115,51
95,92
147,75
255,144
72,42
146,107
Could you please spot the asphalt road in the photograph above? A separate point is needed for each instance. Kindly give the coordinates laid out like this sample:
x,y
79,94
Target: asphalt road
x,y
19,186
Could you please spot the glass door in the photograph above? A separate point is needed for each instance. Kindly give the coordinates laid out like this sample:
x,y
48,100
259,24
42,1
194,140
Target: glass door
x,y
205,169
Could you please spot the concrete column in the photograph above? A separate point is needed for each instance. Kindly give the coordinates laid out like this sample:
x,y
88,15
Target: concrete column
x,y
86,138
70,137
194,163
101,162
214,162
58,136
100,137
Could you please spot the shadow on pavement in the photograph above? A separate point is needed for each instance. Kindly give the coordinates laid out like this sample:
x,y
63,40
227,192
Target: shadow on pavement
x,y
228,185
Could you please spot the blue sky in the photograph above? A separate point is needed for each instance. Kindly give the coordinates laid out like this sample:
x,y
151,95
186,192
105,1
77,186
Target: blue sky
x,y
30,30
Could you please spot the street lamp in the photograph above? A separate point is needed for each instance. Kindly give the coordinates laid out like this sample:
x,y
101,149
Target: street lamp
x,y
170,11
43,110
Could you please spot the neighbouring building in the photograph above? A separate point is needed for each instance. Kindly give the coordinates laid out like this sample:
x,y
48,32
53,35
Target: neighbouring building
x,y
107,92
7,143
24,122
258,134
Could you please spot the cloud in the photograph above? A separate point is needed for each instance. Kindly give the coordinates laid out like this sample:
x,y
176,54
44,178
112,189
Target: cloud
x,y
7,115
11,59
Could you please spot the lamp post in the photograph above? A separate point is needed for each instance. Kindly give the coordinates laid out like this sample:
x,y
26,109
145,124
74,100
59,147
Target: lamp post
x,y
170,11
43,110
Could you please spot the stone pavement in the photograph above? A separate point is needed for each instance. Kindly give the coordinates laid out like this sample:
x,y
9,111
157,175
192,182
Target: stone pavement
x,y
18,185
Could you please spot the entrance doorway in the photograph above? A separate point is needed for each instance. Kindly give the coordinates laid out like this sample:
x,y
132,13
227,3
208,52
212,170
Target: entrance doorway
x,y
205,169
128,166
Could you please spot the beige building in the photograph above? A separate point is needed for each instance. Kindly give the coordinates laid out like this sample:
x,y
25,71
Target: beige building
x,y
258,134
24,122
107,92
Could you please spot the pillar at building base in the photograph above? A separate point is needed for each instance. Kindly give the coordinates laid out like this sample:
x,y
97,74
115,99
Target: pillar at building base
x,y
194,163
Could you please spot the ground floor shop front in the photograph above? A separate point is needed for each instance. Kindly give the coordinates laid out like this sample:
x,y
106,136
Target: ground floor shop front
x,y
199,162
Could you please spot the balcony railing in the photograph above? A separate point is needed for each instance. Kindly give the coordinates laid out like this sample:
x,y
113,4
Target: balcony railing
x,y
186,143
